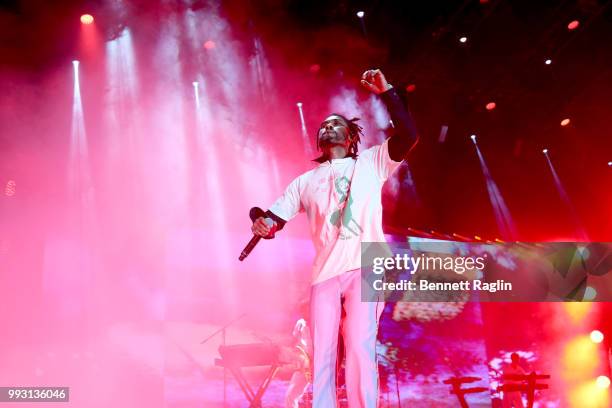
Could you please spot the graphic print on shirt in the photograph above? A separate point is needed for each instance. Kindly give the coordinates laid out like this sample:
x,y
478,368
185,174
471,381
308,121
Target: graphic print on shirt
x,y
349,227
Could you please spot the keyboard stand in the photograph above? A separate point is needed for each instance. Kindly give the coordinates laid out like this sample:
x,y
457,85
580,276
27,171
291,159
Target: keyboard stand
x,y
254,398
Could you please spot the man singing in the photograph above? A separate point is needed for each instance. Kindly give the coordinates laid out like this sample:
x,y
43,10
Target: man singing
x,y
342,199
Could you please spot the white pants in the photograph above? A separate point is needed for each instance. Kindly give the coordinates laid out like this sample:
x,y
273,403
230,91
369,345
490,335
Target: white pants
x,y
360,328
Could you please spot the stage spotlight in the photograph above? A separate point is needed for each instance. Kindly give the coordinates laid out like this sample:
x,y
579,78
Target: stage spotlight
x,y
545,151
463,39
209,45
87,19
573,25
195,84
603,381
548,61
610,163
490,106
597,336
360,14
565,122
473,137
75,63
410,88
299,104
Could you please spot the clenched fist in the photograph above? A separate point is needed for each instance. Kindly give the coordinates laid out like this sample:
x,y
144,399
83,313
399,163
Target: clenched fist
x,y
264,227
375,81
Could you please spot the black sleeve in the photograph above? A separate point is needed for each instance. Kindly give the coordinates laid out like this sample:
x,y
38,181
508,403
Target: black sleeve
x,y
405,136
279,221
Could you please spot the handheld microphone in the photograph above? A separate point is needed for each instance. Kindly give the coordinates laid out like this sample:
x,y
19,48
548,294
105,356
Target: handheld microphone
x,y
254,214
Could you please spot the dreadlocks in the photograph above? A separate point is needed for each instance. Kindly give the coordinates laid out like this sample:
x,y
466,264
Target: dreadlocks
x,y
355,133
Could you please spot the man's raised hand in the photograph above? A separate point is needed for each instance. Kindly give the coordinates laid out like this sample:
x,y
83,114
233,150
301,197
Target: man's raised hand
x,y
375,81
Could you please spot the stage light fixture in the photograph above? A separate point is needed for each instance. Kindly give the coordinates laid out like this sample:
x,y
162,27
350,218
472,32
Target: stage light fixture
x,y
360,14
87,19
603,381
473,137
545,151
573,25
597,336
610,163
463,39
565,122
548,61
195,84
490,106
299,104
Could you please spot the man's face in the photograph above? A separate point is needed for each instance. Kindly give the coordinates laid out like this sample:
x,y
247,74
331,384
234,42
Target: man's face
x,y
334,132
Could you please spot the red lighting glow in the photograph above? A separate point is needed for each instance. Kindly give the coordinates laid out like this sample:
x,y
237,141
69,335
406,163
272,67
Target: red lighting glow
x,y
315,68
573,25
410,88
87,19
209,45
565,122
490,106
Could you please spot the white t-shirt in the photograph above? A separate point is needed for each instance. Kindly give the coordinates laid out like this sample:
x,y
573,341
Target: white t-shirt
x,y
321,193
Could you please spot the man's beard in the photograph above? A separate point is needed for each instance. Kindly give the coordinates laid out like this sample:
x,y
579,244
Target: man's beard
x,y
331,138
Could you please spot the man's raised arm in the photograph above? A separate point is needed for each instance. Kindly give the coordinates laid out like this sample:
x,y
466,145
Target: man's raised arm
x,y
405,135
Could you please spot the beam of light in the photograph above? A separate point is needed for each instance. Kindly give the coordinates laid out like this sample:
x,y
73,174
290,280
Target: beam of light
x,y
463,39
196,95
548,61
90,39
588,395
443,133
216,129
261,72
305,138
503,218
69,279
360,15
121,103
580,359
578,312
580,231
79,177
